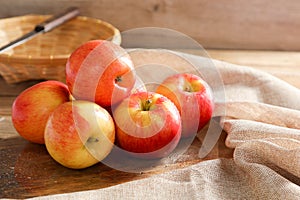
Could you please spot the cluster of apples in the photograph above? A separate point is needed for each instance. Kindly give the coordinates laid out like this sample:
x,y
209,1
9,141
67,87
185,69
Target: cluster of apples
x,y
100,106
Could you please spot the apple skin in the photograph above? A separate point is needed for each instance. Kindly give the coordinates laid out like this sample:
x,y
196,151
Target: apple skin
x,y
32,108
79,134
148,125
192,97
96,65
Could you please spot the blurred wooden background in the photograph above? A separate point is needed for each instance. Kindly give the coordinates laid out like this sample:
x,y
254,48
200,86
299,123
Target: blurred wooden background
x,y
219,24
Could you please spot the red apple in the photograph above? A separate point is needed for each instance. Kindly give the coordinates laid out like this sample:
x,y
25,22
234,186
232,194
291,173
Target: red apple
x,y
31,109
192,97
100,71
148,125
79,134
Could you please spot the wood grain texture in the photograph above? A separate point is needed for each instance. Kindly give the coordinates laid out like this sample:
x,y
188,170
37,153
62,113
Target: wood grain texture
x,y
13,89
27,170
284,65
256,24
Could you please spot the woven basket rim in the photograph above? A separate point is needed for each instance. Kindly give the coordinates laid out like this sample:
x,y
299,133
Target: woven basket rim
x,y
116,38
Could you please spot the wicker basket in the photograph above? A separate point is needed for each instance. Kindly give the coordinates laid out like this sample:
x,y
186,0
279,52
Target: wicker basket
x,y
45,56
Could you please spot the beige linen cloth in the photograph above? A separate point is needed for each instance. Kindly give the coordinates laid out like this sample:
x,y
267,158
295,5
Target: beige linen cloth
x,y
262,120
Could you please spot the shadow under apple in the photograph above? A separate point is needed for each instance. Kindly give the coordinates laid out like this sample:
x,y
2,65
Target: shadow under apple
x,y
38,174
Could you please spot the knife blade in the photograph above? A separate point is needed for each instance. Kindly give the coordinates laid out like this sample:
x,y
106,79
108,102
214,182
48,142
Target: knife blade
x,y
44,27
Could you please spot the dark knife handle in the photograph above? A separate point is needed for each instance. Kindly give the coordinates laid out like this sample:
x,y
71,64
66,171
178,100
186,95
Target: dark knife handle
x,y
57,20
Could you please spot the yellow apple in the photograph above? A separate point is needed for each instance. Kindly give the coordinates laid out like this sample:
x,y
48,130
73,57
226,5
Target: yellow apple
x,y
79,134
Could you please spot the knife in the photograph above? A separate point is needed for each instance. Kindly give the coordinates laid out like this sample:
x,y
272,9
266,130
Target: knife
x,y
44,27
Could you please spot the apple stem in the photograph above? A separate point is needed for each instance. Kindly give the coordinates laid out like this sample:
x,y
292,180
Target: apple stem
x,y
187,88
147,105
91,139
118,79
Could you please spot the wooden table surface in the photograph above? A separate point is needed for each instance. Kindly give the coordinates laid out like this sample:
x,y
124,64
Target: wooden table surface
x,y
26,169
